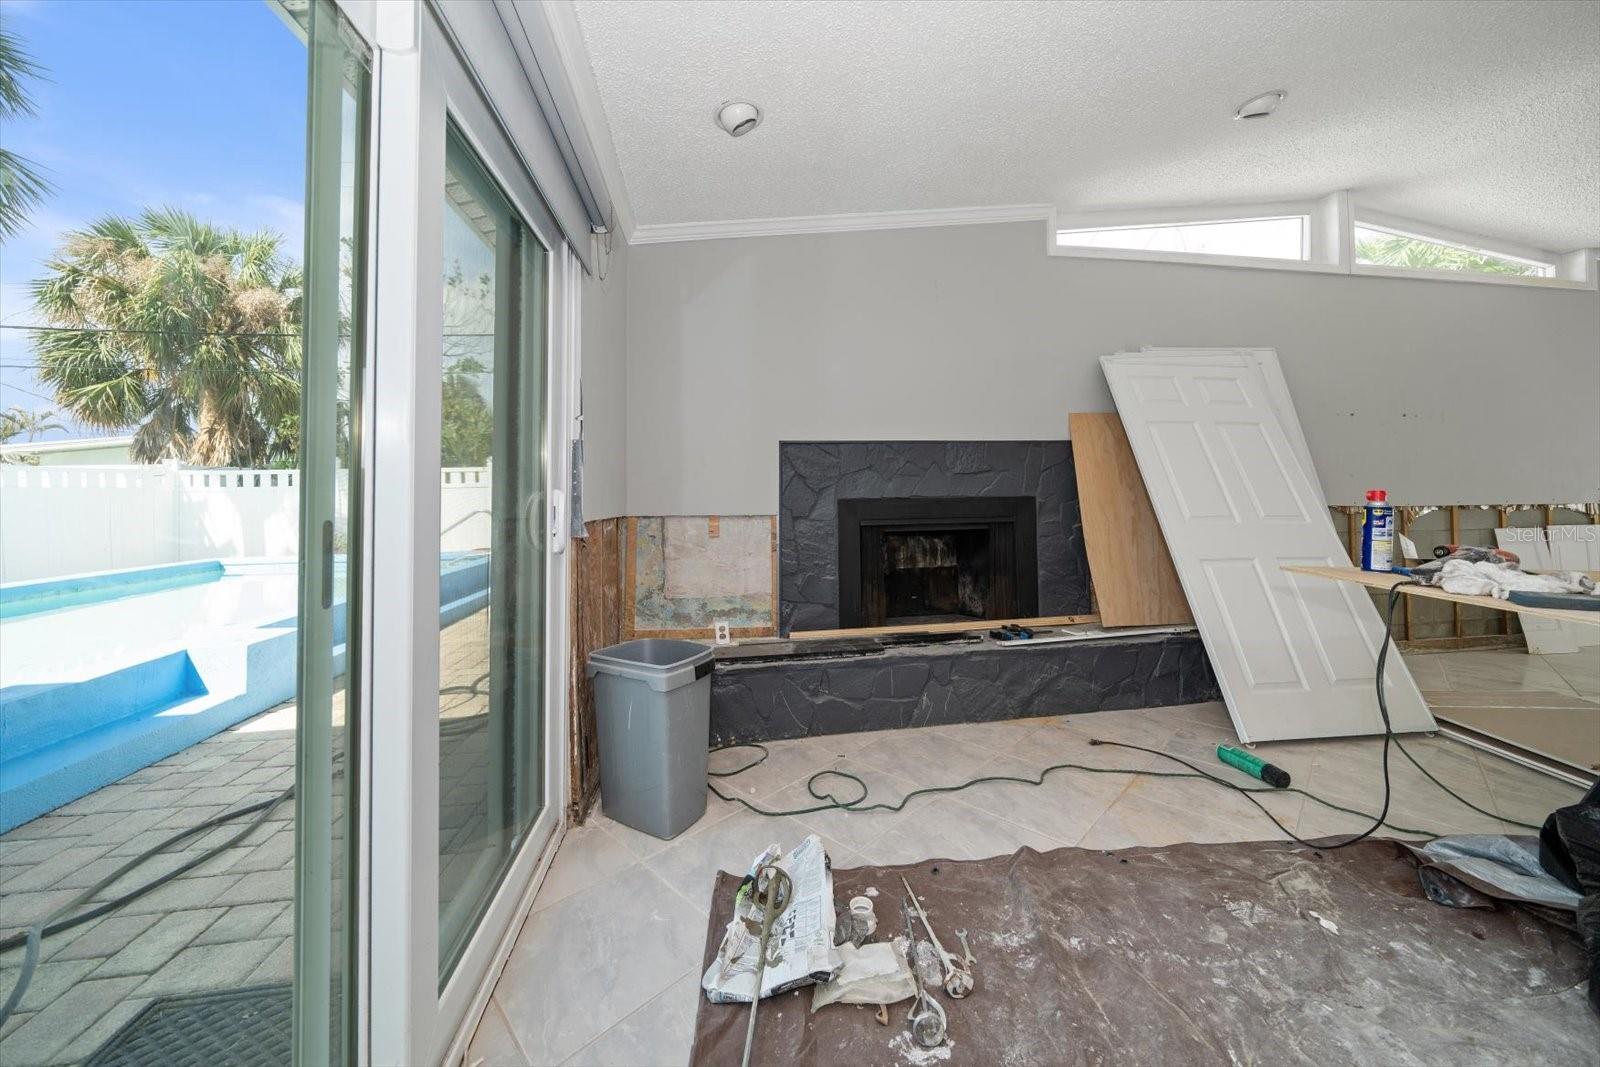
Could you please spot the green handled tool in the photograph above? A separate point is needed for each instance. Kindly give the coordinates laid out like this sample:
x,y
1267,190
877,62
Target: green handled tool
x,y
1255,767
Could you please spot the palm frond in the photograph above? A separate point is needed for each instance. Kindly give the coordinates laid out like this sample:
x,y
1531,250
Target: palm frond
x,y
16,66
22,186
22,183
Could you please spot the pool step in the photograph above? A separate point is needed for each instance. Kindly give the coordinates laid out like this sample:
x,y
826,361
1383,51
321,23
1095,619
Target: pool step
x,y
37,716
124,730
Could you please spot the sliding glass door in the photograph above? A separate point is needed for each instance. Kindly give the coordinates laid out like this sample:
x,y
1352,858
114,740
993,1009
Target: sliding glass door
x,y
468,424
495,281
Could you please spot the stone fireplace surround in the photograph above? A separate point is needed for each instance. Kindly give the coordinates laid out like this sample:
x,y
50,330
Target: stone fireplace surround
x,y
814,476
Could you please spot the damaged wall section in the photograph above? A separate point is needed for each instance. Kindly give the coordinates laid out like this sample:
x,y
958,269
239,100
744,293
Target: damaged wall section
x,y
685,574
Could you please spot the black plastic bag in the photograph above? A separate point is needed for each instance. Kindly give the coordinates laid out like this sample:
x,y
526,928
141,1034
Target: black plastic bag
x,y
1569,849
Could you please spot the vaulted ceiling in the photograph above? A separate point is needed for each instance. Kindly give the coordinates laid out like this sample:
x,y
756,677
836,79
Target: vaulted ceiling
x,y
1482,116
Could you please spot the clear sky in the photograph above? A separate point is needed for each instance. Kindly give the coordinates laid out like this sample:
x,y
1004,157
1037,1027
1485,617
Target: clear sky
x,y
196,104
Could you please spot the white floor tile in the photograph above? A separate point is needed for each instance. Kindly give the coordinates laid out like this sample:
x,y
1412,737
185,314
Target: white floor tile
x,y
659,1034
587,855
606,968
587,962
494,1045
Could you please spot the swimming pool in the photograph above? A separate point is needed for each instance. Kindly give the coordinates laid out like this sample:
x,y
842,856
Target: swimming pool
x,y
101,674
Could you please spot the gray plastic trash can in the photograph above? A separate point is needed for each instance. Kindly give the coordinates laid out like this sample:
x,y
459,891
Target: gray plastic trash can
x,y
652,704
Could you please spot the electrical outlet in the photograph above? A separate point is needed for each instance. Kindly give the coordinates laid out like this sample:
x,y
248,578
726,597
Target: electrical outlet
x,y
723,634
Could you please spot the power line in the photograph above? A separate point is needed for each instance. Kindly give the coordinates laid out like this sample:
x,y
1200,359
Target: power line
x,y
159,333
29,392
118,329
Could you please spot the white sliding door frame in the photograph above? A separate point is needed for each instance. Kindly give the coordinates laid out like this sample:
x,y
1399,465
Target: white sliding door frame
x,y
420,85
403,786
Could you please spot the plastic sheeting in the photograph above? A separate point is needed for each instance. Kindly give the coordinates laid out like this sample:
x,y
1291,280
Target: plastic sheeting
x,y
1236,953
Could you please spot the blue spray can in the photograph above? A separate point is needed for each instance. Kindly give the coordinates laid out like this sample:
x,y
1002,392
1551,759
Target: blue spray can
x,y
1377,533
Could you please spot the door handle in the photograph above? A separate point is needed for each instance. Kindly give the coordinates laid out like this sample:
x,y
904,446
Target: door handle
x,y
558,518
533,520
327,564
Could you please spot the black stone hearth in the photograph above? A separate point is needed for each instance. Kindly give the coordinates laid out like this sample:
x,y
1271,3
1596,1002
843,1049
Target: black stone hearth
x,y
815,476
805,689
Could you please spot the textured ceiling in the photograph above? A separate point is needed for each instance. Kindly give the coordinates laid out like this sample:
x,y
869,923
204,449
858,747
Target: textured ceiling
x,y
1481,116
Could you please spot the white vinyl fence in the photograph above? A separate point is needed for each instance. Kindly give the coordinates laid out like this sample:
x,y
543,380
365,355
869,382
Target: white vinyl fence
x,y
56,521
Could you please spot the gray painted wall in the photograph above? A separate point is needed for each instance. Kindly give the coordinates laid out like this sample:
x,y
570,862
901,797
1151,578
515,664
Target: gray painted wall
x,y
1441,392
604,344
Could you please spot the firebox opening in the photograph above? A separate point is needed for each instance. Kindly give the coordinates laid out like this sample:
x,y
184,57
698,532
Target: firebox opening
x,y
935,577
919,560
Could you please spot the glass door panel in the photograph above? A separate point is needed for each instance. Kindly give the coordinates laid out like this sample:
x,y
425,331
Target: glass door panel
x,y
330,528
491,545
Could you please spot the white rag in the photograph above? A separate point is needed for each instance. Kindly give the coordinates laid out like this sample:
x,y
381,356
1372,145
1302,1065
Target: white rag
x,y
1498,580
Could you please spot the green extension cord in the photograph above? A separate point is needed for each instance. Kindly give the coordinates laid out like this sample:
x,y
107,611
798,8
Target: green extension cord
x,y
831,802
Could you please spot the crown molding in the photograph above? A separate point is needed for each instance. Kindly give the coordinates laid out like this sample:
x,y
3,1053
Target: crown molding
x,y
843,223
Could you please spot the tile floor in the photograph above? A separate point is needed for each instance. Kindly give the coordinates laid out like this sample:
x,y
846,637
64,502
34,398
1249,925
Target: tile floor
x,y
1507,670
615,894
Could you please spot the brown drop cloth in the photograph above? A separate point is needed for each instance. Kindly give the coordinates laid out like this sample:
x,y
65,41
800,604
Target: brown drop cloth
x,y
1248,953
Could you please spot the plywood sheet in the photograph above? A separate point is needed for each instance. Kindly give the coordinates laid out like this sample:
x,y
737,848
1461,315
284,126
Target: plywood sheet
x,y
1134,581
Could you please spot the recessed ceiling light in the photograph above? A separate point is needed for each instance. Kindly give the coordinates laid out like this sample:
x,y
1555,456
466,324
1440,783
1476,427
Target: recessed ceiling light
x,y
738,117
1259,107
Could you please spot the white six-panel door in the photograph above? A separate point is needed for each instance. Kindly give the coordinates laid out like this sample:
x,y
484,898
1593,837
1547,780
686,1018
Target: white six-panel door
x,y
1296,655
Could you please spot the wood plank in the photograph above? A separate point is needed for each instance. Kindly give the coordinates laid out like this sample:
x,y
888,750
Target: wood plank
x,y
1134,580
630,549
1405,531
945,627
774,574
1375,580
595,612
1456,644
1455,539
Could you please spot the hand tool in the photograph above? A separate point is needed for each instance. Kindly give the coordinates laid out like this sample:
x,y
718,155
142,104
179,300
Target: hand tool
x,y
961,935
957,979
772,899
927,1017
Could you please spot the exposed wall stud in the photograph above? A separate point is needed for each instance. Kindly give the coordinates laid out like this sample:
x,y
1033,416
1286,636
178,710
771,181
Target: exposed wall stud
x,y
1455,539
1405,531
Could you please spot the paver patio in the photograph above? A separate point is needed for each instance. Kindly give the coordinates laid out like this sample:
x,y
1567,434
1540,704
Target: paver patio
x,y
226,924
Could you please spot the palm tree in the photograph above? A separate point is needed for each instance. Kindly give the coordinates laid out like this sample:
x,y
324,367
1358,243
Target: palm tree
x,y
18,422
21,186
1397,250
187,331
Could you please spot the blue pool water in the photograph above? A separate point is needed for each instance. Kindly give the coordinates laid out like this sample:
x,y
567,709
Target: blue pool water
x,y
102,674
